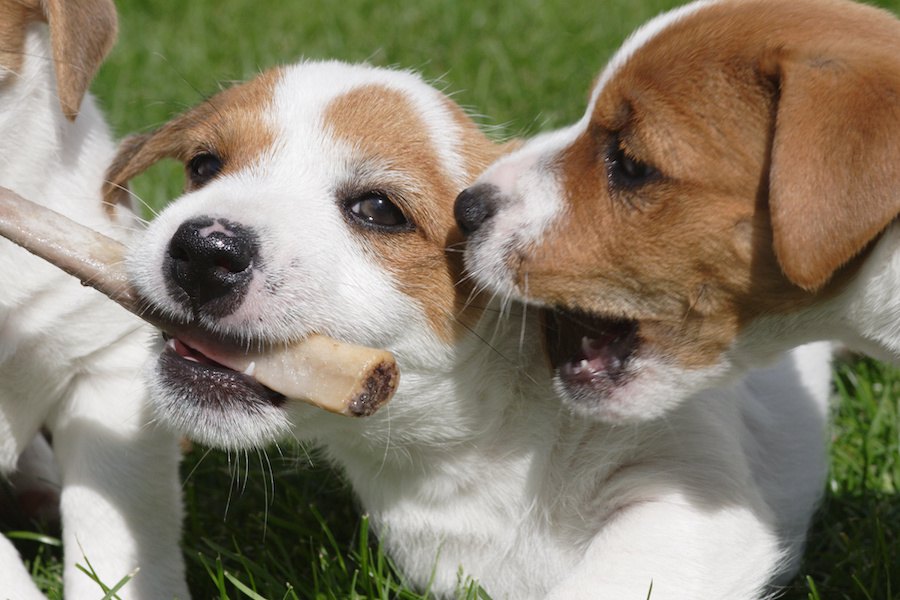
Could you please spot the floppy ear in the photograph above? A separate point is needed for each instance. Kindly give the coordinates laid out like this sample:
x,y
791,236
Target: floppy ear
x,y
82,32
835,165
136,154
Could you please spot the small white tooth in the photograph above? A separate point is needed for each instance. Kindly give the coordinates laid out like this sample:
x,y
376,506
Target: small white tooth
x,y
170,343
584,364
251,369
191,358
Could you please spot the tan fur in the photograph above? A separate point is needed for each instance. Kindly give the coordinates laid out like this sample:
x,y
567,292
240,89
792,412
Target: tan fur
x,y
838,111
746,109
14,17
230,125
387,130
82,32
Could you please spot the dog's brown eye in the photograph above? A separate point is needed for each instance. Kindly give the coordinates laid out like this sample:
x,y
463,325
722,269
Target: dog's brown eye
x,y
375,209
625,171
202,168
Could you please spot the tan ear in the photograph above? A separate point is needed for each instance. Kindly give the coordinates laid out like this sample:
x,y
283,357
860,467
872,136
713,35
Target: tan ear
x,y
82,32
136,154
835,170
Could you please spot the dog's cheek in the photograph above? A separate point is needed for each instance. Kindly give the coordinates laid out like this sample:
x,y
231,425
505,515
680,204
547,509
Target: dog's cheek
x,y
397,309
327,283
375,311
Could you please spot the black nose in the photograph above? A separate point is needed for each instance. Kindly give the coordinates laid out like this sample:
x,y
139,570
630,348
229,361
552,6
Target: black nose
x,y
209,265
474,206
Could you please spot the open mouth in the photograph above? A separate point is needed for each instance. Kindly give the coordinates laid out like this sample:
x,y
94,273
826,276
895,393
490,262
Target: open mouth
x,y
590,353
185,364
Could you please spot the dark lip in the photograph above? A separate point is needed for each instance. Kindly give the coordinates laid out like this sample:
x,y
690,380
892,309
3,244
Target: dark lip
x,y
588,350
210,383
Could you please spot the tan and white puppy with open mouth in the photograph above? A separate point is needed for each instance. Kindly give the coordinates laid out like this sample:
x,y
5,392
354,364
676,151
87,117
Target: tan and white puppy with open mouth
x,y
731,192
320,200
70,360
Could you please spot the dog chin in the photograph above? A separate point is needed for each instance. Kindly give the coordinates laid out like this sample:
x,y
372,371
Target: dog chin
x,y
613,404
648,389
216,406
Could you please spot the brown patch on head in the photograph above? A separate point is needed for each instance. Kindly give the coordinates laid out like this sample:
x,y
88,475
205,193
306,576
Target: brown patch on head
x,y
471,147
769,173
391,139
231,126
81,35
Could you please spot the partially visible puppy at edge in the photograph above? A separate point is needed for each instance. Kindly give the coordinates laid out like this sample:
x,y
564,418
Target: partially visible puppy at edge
x,y
69,358
731,191
319,200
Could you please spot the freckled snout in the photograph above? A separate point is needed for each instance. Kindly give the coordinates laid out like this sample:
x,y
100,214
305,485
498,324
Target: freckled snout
x,y
209,265
476,205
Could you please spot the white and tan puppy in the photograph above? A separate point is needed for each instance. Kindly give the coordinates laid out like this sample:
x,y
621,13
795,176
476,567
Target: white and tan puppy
x,y
69,359
320,200
731,191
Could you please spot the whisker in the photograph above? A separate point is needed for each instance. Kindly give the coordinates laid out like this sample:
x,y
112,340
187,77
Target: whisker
x,y
495,350
230,486
524,318
134,196
268,492
196,466
182,77
246,471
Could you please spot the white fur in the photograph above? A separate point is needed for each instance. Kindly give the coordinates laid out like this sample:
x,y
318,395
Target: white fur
x,y
69,361
474,464
863,316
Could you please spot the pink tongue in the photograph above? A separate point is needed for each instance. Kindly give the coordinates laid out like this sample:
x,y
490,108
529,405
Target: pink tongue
x,y
188,353
598,357
594,348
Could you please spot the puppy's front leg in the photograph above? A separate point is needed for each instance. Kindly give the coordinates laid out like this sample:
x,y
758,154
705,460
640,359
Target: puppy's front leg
x,y
684,551
121,500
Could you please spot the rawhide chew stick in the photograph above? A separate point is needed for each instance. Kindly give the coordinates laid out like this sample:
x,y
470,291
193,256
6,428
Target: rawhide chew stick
x,y
338,377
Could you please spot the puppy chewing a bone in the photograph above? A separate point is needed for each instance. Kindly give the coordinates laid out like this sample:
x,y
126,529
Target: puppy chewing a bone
x,y
338,377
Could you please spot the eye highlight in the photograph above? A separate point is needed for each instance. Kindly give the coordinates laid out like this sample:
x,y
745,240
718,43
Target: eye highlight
x,y
202,168
626,172
374,209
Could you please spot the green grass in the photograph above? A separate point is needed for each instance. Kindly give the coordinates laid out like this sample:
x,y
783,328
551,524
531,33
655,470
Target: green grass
x,y
294,531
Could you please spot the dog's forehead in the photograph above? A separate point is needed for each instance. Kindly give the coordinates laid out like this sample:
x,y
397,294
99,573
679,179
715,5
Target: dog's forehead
x,y
679,48
701,81
641,37
377,114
